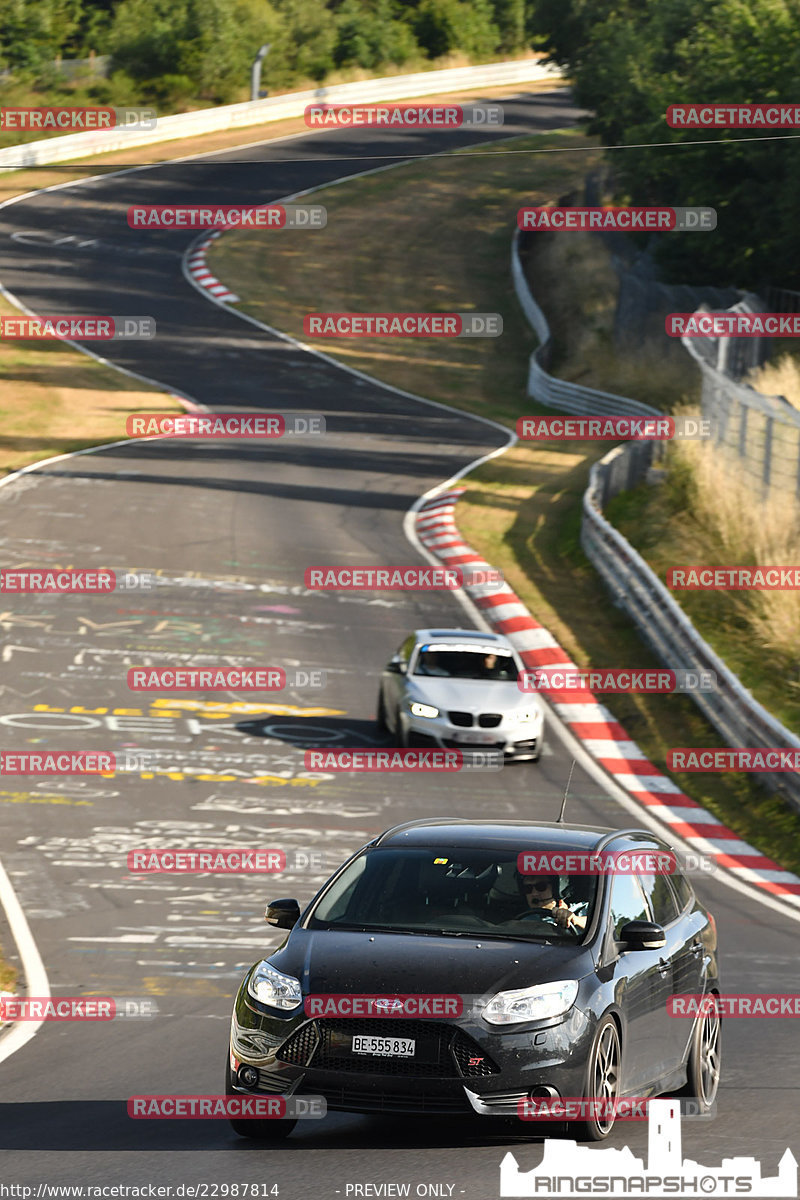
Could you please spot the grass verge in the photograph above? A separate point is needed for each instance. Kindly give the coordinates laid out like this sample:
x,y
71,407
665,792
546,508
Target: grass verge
x,y
436,236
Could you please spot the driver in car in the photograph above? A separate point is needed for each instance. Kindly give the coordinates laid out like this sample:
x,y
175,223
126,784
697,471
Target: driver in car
x,y
542,897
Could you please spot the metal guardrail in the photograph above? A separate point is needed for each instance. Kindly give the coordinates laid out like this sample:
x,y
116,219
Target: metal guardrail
x,y
277,108
735,714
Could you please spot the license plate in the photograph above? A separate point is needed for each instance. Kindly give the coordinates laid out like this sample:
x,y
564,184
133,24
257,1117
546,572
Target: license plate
x,y
479,739
387,1047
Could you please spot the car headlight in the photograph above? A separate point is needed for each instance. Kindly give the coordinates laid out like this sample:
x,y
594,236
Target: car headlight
x,y
423,710
272,987
526,717
531,1004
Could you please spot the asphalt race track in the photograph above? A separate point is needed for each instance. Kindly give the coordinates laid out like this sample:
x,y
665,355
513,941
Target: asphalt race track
x,y
227,529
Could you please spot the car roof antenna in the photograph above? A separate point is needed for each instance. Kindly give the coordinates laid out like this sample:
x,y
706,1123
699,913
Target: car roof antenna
x,y
560,820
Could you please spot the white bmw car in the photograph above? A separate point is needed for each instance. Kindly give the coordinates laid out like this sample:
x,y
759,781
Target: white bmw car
x,y
458,688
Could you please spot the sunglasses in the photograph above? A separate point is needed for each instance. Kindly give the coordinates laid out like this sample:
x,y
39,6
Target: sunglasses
x,y
536,885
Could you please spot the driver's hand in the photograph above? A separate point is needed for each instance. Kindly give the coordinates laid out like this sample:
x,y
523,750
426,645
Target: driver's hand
x,y
562,917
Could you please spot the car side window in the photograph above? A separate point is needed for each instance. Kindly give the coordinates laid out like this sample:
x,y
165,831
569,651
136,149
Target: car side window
x,y
660,897
683,890
405,651
627,902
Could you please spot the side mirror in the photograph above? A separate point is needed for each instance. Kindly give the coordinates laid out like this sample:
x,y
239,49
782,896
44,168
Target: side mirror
x,y
642,935
283,914
395,667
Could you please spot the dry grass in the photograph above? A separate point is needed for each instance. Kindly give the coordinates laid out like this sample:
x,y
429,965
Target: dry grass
x,y
778,378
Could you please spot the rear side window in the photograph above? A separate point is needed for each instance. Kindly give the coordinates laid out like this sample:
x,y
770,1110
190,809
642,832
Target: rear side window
x,y
683,890
660,897
627,902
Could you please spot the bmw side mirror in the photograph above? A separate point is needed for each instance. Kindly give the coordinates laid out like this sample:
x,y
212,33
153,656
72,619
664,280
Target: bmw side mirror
x,y
642,935
396,668
283,914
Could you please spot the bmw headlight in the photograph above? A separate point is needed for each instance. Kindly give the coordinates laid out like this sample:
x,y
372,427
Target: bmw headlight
x,y
272,987
423,710
527,716
531,1004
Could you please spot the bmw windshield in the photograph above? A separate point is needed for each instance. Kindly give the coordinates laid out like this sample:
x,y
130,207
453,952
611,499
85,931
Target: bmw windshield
x,y
455,892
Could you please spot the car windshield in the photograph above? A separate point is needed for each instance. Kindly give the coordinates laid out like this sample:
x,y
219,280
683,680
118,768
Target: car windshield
x,y
465,664
446,890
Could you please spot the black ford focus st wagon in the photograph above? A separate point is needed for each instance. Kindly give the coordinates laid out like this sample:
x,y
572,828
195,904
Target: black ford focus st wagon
x,y
443,970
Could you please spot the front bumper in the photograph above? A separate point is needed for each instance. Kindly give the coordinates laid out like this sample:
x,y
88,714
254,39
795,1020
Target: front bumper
x,y
513,738
466,1067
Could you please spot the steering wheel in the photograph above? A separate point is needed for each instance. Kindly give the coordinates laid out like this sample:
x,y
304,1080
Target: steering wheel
x,y
531,914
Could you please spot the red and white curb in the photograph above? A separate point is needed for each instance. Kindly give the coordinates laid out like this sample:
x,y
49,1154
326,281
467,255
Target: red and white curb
x,y
197,268
592,723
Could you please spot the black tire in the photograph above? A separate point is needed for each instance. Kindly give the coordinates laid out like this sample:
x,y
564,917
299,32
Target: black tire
x,y
602,1081
380,718
704,1064
262,1131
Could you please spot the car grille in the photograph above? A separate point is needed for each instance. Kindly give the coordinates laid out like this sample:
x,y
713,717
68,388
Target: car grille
x,y
460,718
490,720
420,1100
445,1052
